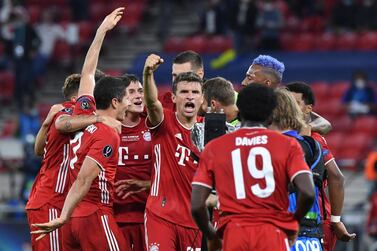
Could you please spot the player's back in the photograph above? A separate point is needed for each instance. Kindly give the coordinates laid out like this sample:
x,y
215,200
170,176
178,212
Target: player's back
x,y
50,186
99,143
252,168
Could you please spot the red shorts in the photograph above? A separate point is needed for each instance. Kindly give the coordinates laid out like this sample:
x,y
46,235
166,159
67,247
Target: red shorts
x,y
329,238
53,241
166,236
264,237
97,231
134,234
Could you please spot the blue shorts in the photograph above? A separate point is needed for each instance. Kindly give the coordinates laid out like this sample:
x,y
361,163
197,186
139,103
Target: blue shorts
x,y
307,244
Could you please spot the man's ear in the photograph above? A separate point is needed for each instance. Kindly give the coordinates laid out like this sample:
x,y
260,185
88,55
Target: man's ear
x,y
200,72
173,98
114,103
309,108
213,105
268,82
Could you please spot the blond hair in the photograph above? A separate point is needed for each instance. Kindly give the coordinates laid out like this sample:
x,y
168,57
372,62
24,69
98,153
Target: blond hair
x,y
287,114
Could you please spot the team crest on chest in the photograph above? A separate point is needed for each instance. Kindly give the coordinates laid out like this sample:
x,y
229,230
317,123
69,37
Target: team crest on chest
x,y
147,136
107,151
154,247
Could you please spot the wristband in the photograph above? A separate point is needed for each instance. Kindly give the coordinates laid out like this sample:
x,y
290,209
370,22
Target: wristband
x,y
335,219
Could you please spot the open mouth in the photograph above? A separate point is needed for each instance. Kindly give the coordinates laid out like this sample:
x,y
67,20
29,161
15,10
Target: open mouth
x,y
138,103
189,107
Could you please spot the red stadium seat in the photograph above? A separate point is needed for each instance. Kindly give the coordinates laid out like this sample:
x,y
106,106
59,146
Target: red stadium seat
x,y
365,124
320,89
335,139
134,13
286,41
114,72
342,123
62,52
7,85
9,129
43,110
218,44
174,45
303,42
337,89
35,13
98,12
196,43
346,42
367,41
85,32
313,24
324,42
357,141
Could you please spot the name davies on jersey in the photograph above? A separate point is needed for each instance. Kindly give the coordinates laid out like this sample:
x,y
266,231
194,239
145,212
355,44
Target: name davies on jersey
x,y
245,141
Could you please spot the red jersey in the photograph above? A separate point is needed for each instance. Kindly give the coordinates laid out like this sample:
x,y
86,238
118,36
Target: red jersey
x,y
50,186
251,169
175,160
99,143
327,158
135,162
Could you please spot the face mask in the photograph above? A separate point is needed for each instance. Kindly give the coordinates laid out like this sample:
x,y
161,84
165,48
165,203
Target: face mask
x,y
360,83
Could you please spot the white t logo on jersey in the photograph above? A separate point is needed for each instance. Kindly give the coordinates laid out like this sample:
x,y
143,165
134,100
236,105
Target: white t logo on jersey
x,y
183,154
123,155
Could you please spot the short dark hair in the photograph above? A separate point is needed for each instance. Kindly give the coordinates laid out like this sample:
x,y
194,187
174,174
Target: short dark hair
x,y
186,77
98,75
71,86
304,89
256,103
189,56
219,89
107,89
131,77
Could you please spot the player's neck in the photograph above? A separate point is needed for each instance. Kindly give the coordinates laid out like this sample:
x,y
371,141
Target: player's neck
x,y
187,122
108,112
252,124
131,119
231,112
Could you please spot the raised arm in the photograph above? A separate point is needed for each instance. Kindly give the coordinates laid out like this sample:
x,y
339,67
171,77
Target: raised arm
x,y
40,139
154,106
319,124
88,172
87,81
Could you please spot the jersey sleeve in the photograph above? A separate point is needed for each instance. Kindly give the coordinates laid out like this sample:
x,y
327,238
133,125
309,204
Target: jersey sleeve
x,y
327,154
103,147
85,105
296,160
204,175
164,122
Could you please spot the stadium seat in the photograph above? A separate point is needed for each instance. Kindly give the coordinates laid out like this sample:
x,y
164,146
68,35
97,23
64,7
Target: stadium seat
x,y
286,41
342,123
303,42
98,12
320,89
337,89
43,110
314,24
346,42
85,32
9,128
196,43
367,41
174,45
324,42
218,44
62,52
35,13
114,72
357,141
7,85
365,124
335,139
133,16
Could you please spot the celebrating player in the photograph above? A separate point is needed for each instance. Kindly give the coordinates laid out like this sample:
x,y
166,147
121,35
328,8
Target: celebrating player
x,y
168,221
250,170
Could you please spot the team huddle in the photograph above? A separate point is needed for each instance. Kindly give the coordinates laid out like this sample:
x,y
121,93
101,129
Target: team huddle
x,y
121,170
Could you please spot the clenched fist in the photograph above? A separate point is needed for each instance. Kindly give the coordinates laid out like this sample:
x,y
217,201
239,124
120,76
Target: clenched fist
x,y
152,63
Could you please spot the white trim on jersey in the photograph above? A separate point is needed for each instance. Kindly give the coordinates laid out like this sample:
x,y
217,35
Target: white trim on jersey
x,y
100,166
202,184
146,231
111,240
300,172
157,169
287,244
102,184
63,171
155,126
54,235
332,159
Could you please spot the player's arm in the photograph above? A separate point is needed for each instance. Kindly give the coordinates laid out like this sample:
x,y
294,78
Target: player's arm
x,y
305,194
87,81
68,123
336,194
199,213
154,106
88,172
40,139
319,124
